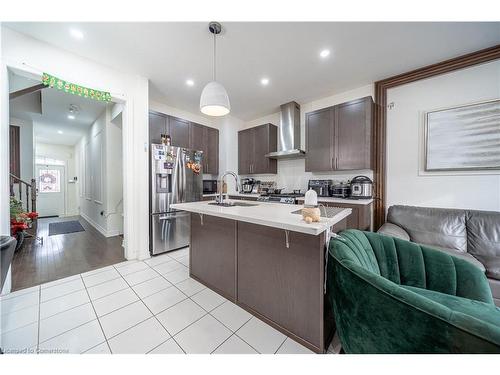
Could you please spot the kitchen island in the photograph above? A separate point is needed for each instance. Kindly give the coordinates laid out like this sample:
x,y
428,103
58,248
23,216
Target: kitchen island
x,y
266,259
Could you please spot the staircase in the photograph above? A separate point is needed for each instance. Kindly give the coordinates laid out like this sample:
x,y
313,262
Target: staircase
x,y
29,190
30,194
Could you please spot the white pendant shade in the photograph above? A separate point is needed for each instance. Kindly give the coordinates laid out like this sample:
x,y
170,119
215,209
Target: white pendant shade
x,y
214,100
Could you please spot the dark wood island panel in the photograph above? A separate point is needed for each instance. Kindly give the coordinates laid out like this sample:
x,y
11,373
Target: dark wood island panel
x,y
284,285
212,258
252,266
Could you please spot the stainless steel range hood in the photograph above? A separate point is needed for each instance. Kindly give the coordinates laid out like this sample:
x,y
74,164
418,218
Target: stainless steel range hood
x,y
289,133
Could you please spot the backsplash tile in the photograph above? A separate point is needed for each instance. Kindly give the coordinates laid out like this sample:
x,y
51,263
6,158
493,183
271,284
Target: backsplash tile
x,y
291,175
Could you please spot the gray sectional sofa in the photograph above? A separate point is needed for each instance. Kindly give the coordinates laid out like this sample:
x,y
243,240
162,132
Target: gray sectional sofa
x,y
467,234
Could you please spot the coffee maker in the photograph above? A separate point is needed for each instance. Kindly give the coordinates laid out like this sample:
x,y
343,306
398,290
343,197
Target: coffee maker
x,y
321,187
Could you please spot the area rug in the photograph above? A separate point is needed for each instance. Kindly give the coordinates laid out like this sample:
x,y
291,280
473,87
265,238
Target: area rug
x,y
64,227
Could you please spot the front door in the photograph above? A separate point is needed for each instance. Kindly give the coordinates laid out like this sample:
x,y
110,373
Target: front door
x,y
51,190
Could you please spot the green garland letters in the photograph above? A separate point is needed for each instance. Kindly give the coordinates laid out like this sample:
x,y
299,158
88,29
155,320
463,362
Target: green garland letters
x,y
75,89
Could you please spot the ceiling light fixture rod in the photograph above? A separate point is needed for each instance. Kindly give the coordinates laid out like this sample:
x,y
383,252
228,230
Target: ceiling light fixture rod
x,y
215,28
215,57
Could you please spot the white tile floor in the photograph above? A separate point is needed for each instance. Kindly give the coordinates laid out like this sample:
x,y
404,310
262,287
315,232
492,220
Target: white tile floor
x,y
134,307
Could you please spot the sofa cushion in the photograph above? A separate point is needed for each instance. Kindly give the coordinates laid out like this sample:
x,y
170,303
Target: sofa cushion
x,y
393,230
492,265
483,239
444,228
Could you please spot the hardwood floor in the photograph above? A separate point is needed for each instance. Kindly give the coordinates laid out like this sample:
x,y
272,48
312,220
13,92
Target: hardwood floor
x,y
63,255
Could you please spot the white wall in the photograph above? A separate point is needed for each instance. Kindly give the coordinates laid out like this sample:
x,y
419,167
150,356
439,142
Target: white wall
x,y
291,172
92,182
228,147
407,183
66,154
114,173
4,156
100,174
34,57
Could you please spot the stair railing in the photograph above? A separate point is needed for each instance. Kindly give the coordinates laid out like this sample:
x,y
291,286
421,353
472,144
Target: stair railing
x,y
29,189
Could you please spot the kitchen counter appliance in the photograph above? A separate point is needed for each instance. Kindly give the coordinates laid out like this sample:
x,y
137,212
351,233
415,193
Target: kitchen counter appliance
x,y
209,186
287,198
176,177
247,185
361,188
321,187
341,190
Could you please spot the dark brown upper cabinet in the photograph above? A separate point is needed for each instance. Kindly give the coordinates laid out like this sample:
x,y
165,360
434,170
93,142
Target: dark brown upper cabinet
x,y
178,129
157,127
184,133
212,158
319,136
253,145
340,137
206,139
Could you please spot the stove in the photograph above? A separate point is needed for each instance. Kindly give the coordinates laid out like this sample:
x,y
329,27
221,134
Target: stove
x,y
286,198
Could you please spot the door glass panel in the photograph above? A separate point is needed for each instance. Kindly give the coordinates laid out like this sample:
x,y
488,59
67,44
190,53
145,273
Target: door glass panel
x,y
49,181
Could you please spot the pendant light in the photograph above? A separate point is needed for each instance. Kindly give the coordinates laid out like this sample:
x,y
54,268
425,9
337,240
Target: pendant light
x,y
214,100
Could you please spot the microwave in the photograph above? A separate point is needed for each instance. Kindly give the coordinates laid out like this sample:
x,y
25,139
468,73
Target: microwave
x,y
209,186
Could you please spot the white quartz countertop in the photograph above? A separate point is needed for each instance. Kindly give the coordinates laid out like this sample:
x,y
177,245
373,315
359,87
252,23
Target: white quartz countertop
x,y
275,215
233,195
363,202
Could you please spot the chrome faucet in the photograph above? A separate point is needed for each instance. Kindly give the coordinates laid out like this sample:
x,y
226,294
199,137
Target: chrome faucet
x,y
220,199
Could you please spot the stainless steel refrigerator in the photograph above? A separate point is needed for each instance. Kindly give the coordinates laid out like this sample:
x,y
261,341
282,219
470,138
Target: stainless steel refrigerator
x,y
176,177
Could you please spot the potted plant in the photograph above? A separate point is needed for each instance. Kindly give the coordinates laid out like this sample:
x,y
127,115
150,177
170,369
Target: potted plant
x,y
20,221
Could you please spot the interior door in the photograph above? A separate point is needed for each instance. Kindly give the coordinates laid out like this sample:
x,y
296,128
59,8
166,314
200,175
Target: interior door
x,y
51,190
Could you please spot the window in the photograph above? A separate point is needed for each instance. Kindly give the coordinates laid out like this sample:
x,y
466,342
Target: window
x,y
48,161
49,181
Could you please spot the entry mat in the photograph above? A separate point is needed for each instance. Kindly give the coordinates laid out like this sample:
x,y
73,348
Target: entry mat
x,y
64,227
325,211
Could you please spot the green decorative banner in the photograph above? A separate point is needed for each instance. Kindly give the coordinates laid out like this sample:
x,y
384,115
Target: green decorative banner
x,y
75,89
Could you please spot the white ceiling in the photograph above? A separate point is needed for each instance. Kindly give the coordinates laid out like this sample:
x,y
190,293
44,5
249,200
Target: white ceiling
x,y
55,110
287,53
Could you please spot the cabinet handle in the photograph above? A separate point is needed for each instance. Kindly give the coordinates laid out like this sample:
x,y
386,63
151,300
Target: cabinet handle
x,y
206,168
332,164
336,163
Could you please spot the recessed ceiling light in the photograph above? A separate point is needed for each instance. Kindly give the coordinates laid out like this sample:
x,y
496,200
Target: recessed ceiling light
x,y
77,34
71,117
59,132
325,53
190,82
264,81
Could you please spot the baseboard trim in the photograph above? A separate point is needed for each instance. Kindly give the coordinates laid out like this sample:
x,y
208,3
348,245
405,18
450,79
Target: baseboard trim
x,y
99,228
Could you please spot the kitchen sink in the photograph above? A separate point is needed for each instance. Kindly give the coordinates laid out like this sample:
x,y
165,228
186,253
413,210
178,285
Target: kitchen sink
x,y
233,204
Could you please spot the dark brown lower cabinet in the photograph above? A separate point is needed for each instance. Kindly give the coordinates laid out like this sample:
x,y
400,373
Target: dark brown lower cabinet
x,y
360,218
252,266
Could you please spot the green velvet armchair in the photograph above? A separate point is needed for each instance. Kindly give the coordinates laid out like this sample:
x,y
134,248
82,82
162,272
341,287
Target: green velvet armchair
x,y
395,296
